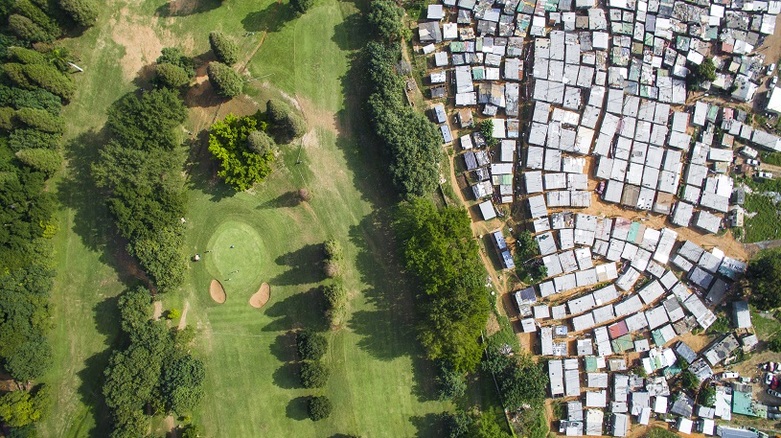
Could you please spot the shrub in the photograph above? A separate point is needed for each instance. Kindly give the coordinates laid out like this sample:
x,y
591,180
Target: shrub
x,y
20,98
226,82
83,12
333,249
7,118
41,120
47,161
32,139
240,166
764,274
172,76
319,407
26,56
774,344
330,268
311,345
38,16
224,48
452,385
41,75
175,56
259,142
286,124
25,29
385,16
302,6
314,374
304,195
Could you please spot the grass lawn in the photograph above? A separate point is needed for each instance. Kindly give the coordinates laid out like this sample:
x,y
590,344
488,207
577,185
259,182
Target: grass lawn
x,y
379,384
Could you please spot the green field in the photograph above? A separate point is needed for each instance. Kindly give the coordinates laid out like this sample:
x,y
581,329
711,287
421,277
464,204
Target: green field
x,y
380,385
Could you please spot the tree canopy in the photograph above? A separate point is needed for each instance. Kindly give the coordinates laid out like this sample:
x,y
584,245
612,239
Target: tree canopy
x,y
241,165
225,49
439,250
385,17
764,274
225,80
319,407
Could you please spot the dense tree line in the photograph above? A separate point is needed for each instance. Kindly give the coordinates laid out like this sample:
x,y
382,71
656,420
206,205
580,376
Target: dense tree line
x,y
764,274
139,171
439,250
412,142
34,85
154,373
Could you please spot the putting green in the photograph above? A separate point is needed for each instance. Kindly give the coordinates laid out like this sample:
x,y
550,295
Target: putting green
x,y
238,268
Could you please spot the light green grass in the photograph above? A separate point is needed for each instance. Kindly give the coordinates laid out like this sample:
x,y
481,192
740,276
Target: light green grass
x,y
380,385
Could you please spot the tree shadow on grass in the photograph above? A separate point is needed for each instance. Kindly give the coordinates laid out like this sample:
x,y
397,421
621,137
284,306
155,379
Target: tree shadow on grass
x,y
297,409
105,315
181,8
286,376
284,347
202,170
302,309
428,425
305,266
288,199
271,19
350,34
388,331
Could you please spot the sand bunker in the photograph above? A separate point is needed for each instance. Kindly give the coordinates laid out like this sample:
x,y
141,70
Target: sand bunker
x,y
261,297
217,292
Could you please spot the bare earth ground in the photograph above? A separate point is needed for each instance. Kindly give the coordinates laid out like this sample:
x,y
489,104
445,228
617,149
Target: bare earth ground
x,y
158,310
217,292
183,318
261,297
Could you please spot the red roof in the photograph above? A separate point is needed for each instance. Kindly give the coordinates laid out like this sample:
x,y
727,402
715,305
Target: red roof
x,y
617,330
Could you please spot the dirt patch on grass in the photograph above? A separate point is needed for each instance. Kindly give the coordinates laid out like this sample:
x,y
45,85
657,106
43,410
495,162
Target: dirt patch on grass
x,y
261,297
183,318
217,292
158,310
316,117
493,324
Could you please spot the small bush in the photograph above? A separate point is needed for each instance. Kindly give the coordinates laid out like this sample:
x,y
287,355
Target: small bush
x,y
452,384
320,407
259,142
336,302
286,124
331,269
304,195
224,48
175,56
7,118
314,374
333,249
171,76
46,161
311,345
26,30
225,80
26,56
41,120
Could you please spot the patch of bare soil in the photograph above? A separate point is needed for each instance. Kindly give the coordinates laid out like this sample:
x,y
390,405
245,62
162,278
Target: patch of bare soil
x,y
183,318
771,47
261,297
158,310
493,325
217,292
316,117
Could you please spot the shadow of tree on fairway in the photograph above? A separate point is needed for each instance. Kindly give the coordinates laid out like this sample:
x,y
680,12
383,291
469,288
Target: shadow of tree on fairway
x,y
286,376
181,8
90,390
284,347
288,199
301,309
297,409
351,33
202,170
271,19
428,425
305,266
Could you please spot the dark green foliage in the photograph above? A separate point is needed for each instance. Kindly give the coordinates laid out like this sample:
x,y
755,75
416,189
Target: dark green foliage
x,y
311,345
286,124
314,374
140,170
25,209
473,424
689,381
410,139
440,251
192,431
707,70
48,77
46,161
301,6
25,29
170,75
764,274
182,384
20,98
457,424
135,309
774,344
83,12
336,302
26,56
240,167
333,250
319,407
707,396
20,408
7,118
385,17
260,143
39,17
30,361
486,128
719,326
225,80
452,385
33,139
175,56
521,380
41,120
225,49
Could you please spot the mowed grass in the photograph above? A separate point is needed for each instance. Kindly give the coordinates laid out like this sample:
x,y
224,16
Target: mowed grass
x,y
380,385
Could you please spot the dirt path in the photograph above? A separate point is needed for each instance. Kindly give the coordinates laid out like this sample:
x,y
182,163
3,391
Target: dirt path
x,y
183,318
170,425
753,248
158,312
